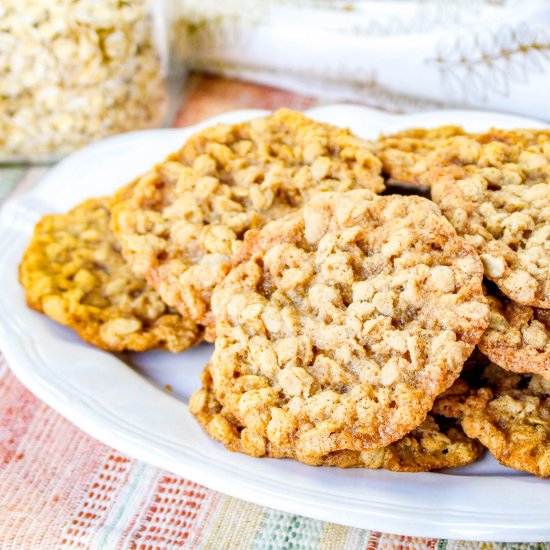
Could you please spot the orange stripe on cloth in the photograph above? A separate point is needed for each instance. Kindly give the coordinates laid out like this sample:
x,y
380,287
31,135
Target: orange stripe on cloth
x,y
176,516
17,408
102,494
400,542
45,478
374,539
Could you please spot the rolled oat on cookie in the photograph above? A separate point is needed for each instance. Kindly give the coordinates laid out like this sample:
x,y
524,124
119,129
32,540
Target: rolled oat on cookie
x,y
518,336
494,188
73,272
187,217
508,413
432,446
340,323
407,155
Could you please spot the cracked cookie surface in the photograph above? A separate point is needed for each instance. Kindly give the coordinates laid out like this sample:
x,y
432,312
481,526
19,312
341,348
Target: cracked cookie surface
x,y
431,446
509,414
495,190
518,336
187,217
341,323
73,272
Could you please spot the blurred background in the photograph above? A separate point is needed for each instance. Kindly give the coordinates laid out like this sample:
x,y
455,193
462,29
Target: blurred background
x,y
74,71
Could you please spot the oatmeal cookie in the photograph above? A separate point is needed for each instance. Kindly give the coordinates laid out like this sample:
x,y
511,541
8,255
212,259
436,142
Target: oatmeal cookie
x,y
74,273
495,190
509,414
187,217
431,446
518,336
407,155
340,324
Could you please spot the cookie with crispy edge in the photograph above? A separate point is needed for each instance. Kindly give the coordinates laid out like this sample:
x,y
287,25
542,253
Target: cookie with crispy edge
x,y
431,446
73,272
508,413
406,155
495,190
518,336
340,324
187,217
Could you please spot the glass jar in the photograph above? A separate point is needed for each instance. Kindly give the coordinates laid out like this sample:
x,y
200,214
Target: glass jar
x,y
74,71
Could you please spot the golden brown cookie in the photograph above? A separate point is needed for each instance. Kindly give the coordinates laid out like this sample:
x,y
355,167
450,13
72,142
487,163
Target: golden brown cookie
x,y
431,446
518,336
406,155
187,217
509,414
341,323
495,190
74,273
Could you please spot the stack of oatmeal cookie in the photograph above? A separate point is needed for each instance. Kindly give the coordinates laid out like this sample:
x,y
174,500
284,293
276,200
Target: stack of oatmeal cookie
x,y
353,326
494,188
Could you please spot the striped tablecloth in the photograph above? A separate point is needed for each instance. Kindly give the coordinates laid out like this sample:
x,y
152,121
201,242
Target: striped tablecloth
x,y
61,488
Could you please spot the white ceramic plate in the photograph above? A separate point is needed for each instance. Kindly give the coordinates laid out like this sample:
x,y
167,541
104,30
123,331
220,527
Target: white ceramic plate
x,y
127,408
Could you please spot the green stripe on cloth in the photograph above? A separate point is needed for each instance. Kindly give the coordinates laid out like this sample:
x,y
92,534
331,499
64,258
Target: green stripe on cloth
x,y
281,531
10,176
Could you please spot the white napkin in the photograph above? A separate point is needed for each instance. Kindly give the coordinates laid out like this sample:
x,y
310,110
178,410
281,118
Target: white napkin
x,y
398,55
